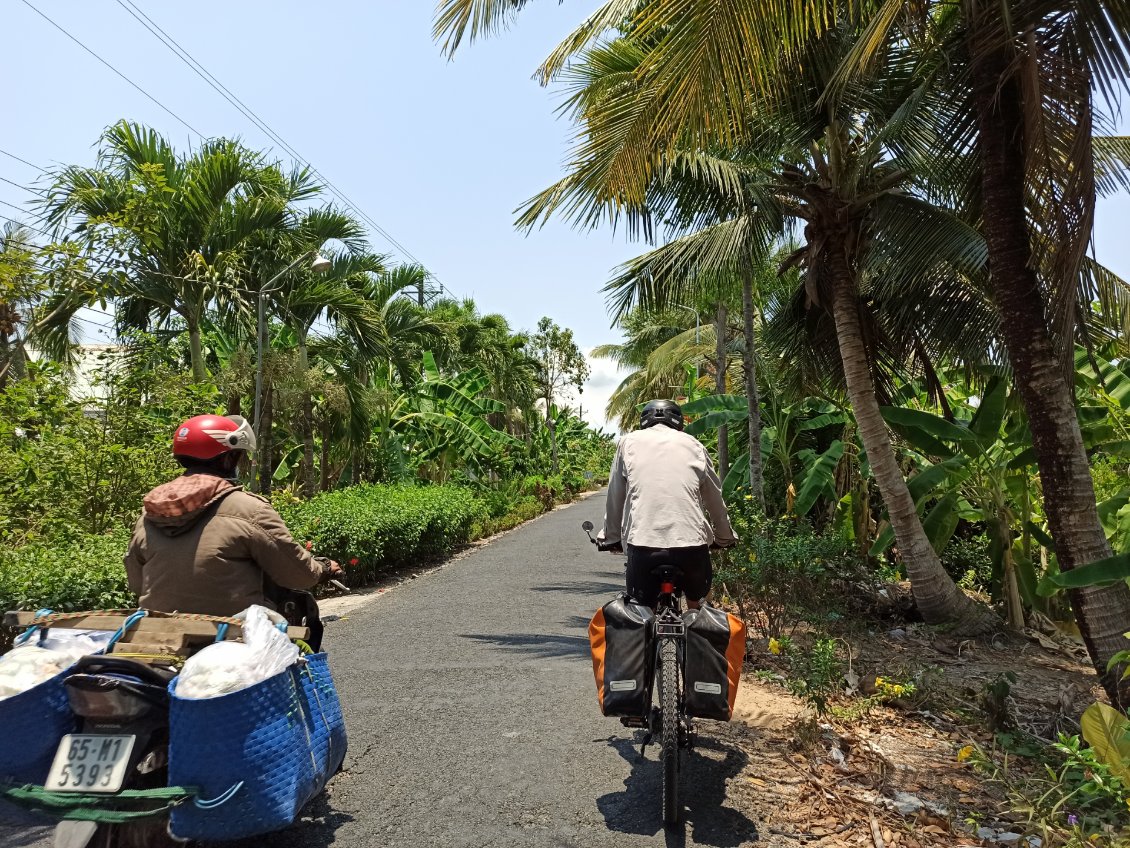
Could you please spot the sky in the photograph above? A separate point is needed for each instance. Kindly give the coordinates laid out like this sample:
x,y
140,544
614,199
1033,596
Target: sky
x,y
438,153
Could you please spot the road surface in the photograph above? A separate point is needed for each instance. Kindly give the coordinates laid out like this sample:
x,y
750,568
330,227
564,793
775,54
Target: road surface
x,y
473,721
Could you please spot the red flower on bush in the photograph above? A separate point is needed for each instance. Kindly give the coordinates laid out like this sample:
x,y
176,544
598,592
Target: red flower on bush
x,y
354,561
310,545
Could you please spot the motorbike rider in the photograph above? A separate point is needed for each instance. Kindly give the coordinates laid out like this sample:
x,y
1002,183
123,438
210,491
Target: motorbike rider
x,y
663,497
205,545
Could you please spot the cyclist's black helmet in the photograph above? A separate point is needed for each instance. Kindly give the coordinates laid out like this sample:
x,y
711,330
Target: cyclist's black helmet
x,y
661,412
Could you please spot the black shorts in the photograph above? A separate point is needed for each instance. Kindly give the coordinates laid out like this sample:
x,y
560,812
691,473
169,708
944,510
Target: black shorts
x,y
643,586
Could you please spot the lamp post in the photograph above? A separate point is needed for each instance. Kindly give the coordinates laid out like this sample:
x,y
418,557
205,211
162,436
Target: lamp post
x,y
321,265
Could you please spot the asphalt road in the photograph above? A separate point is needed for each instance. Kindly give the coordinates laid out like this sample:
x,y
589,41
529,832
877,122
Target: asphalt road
x,y
473,720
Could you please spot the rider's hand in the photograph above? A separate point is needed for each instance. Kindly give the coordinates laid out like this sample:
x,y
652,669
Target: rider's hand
x,y
616,549
332,571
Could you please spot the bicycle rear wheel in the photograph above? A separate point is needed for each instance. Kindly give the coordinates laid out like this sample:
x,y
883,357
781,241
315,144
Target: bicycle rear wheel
x,y
669,733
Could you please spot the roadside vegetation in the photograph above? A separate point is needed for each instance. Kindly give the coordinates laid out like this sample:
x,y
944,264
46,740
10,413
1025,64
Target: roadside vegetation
x,y
395,423
869,274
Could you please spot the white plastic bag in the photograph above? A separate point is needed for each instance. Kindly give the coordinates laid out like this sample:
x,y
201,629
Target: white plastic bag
x,y
227,667
29,665
75,643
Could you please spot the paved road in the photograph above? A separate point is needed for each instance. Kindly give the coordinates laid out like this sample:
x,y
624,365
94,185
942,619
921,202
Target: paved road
x,y
473,721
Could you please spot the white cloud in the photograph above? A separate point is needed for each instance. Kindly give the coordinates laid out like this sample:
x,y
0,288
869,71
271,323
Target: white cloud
x,y
604,377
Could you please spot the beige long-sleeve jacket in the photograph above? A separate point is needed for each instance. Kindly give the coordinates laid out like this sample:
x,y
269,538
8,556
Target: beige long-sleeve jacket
x,y
663,492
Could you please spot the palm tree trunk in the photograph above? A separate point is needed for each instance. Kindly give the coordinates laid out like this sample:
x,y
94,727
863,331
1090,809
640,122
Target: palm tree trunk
x,y
552,425
306,423
1069,496
756,482
324,464
234,404
196,354
720,383
938,597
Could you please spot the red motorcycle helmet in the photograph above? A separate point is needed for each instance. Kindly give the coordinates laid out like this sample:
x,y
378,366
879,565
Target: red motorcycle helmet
x,y
209,436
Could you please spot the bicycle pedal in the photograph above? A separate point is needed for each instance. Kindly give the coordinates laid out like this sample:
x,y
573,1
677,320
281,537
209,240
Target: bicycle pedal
x,y
633,721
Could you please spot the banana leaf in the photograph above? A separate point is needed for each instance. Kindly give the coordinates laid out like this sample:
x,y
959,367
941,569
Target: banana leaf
x,y
820,479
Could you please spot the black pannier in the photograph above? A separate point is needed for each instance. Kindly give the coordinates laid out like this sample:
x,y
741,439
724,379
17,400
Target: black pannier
x,y
713,667
620,637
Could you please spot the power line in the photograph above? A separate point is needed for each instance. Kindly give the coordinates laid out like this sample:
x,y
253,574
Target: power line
x,y
28,189
202,72
19,209
112,68
20,159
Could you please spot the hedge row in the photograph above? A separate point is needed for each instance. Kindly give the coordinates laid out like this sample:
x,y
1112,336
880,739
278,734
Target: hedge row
x,y
370,529
86,573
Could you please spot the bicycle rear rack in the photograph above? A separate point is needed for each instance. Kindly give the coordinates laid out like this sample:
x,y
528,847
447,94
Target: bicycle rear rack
x,y
670,628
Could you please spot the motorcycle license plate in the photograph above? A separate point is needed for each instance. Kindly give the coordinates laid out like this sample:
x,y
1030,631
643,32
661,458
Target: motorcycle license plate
x,y
90,763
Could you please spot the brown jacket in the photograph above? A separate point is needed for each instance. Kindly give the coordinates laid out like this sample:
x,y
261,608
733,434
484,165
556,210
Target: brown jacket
x,y
203,545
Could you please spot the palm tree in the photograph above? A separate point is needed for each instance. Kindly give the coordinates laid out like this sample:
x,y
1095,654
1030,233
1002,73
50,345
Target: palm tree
x,y
708,59
178,227
304,297
838,178
19,290
657,343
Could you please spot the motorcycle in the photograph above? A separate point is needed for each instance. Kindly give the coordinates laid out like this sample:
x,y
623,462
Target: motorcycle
x,y
116,762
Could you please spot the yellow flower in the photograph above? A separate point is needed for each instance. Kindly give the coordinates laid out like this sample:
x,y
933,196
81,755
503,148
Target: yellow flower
x,y
965,753
749,497
774,646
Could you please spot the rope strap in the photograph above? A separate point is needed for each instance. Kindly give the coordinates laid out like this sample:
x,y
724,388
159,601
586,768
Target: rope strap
x,y
46,617
103,809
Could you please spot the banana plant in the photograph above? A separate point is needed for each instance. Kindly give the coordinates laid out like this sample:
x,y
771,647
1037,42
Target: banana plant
x,y
809,472
982,470
441,420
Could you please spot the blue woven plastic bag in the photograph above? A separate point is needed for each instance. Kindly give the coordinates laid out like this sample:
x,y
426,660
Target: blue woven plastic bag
x,y
33,721
258,756
323,709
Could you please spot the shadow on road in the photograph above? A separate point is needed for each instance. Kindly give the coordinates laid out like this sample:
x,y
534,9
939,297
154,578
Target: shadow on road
x,y
317,828
636,809
19,828
577,622
583,587
537,644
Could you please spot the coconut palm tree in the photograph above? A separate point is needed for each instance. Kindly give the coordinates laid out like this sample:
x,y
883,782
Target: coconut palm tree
x,y
1029,70
833,168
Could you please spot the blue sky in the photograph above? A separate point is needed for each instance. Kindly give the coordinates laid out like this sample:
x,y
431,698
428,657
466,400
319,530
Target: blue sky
x,y
439,153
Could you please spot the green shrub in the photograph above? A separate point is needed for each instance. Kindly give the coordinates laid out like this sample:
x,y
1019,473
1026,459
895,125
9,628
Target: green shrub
x,y
527,508
373,528
83,574
968,562
782,572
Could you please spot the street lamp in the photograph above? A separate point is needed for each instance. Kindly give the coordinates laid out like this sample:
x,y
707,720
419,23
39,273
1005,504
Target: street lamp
x,y
320,265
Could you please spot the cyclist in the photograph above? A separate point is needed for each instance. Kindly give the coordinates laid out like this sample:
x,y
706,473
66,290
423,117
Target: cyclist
x,y
203,544
663,497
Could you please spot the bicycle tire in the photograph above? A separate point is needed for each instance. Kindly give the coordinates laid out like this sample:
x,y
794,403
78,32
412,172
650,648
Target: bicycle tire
x,y
669,731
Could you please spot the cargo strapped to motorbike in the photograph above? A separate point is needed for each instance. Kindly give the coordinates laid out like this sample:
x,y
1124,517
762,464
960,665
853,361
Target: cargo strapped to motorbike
x,y
95,807
240,764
